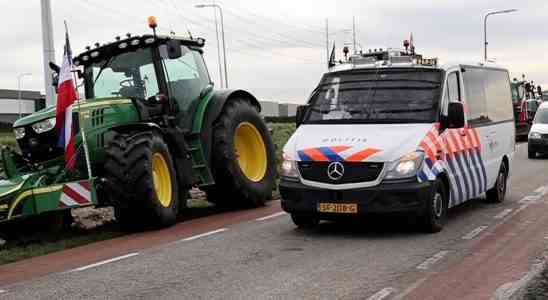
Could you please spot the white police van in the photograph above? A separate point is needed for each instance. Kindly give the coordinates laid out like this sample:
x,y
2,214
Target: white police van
x,y
395,132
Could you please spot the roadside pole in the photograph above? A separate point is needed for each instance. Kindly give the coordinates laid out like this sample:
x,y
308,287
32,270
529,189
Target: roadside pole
x,y
48,51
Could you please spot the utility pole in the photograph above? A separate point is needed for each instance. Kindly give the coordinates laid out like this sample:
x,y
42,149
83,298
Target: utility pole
x,y
354,33
327,40
485,43
217,6
49,51
218,48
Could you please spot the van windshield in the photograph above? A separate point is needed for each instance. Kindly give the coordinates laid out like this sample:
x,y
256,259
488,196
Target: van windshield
x,y
403,95
542,116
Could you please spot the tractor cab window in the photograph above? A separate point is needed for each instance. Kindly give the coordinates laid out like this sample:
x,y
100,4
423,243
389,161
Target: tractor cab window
x,y
186,76
128,75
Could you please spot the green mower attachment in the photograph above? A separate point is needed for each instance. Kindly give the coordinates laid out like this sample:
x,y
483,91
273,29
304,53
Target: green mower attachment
x,y
23,195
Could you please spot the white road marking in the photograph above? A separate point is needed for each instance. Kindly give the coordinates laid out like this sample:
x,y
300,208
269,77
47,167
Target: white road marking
x,y
382,294
281,213
503,213
2,291
472,234
195,237
432,260
542,190
529,199
104,262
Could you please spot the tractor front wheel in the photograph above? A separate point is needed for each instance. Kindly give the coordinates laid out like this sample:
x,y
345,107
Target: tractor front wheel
x,y
243,157
141,180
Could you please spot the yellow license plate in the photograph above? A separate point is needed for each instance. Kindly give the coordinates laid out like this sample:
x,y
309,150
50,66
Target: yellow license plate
x,y
341,208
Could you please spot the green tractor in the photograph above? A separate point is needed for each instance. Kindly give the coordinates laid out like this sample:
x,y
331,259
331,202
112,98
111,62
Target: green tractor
x,y
155,127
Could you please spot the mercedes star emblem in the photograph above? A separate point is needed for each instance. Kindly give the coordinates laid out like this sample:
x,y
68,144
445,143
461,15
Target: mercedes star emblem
x,y
335,170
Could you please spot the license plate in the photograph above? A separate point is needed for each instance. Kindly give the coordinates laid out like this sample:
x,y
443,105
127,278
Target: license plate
x,y
340,208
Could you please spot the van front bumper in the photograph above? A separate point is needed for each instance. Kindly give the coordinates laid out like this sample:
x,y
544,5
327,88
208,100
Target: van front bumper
x,y
538,145
387,197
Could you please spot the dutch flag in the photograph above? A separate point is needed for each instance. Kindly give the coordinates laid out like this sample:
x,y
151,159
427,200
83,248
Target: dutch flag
x,y
66,97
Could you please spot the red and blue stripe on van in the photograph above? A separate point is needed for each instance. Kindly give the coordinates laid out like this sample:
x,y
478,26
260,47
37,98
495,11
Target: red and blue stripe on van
x,y
458,153
336,153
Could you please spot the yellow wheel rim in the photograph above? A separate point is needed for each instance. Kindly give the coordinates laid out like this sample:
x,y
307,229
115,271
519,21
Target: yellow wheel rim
x,y
162,179
250,151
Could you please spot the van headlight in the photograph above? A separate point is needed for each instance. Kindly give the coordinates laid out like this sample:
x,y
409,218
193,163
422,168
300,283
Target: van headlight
x,y
289,169
534,135
19,132
405,167
44,126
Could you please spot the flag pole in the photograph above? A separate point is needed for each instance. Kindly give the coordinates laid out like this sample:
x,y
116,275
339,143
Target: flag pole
x,y
82,131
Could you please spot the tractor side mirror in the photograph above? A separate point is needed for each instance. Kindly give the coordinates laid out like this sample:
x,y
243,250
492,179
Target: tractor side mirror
x,y
455,117
174,49
54,75
300,114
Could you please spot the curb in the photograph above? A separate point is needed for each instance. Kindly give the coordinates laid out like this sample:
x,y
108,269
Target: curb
x,y
517,290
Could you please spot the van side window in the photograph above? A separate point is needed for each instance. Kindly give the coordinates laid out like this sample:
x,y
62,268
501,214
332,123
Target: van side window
x,y
499,96
453,87
475,95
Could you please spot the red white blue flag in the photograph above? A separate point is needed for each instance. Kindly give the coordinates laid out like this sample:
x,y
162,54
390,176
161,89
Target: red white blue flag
x,y
66,96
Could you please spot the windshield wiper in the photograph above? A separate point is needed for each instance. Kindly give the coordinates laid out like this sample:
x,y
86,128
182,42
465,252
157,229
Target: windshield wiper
x,y
102,68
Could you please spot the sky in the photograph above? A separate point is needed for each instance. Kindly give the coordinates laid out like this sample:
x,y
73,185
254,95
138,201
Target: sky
x,y
277,49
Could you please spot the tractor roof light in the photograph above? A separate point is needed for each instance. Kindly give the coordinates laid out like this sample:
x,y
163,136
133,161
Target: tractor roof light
x,y
152,22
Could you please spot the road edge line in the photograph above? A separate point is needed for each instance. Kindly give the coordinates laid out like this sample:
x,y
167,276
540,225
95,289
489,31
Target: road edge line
x,y
425,265
103,262
274,215
201,235
382,294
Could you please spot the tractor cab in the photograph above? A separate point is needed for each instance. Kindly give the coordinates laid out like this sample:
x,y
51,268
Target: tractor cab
x,y
161,74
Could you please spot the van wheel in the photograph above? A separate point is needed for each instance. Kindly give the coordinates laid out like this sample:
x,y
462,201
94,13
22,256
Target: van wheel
x,y
498,192
435,214
305,220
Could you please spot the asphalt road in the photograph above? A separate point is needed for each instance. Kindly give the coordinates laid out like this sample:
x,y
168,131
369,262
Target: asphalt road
x,y
381,258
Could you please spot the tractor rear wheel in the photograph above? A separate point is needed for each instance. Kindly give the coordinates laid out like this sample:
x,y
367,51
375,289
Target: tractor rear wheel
x,y
243,160
141,180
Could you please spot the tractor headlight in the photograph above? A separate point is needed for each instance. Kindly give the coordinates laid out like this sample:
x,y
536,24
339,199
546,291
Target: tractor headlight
x,y
405,167
19,132
534,135
289,169
44,126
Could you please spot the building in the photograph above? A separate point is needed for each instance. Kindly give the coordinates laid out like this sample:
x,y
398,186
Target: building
x,y
11,108
275,109
270,109
287,110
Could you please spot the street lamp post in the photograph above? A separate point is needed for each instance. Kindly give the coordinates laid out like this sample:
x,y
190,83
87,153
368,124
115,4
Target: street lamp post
x,y
214,5
485,26
19,89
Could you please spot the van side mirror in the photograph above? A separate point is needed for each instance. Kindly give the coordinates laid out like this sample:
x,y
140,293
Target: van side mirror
x,y
299,114
456,115
174,49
